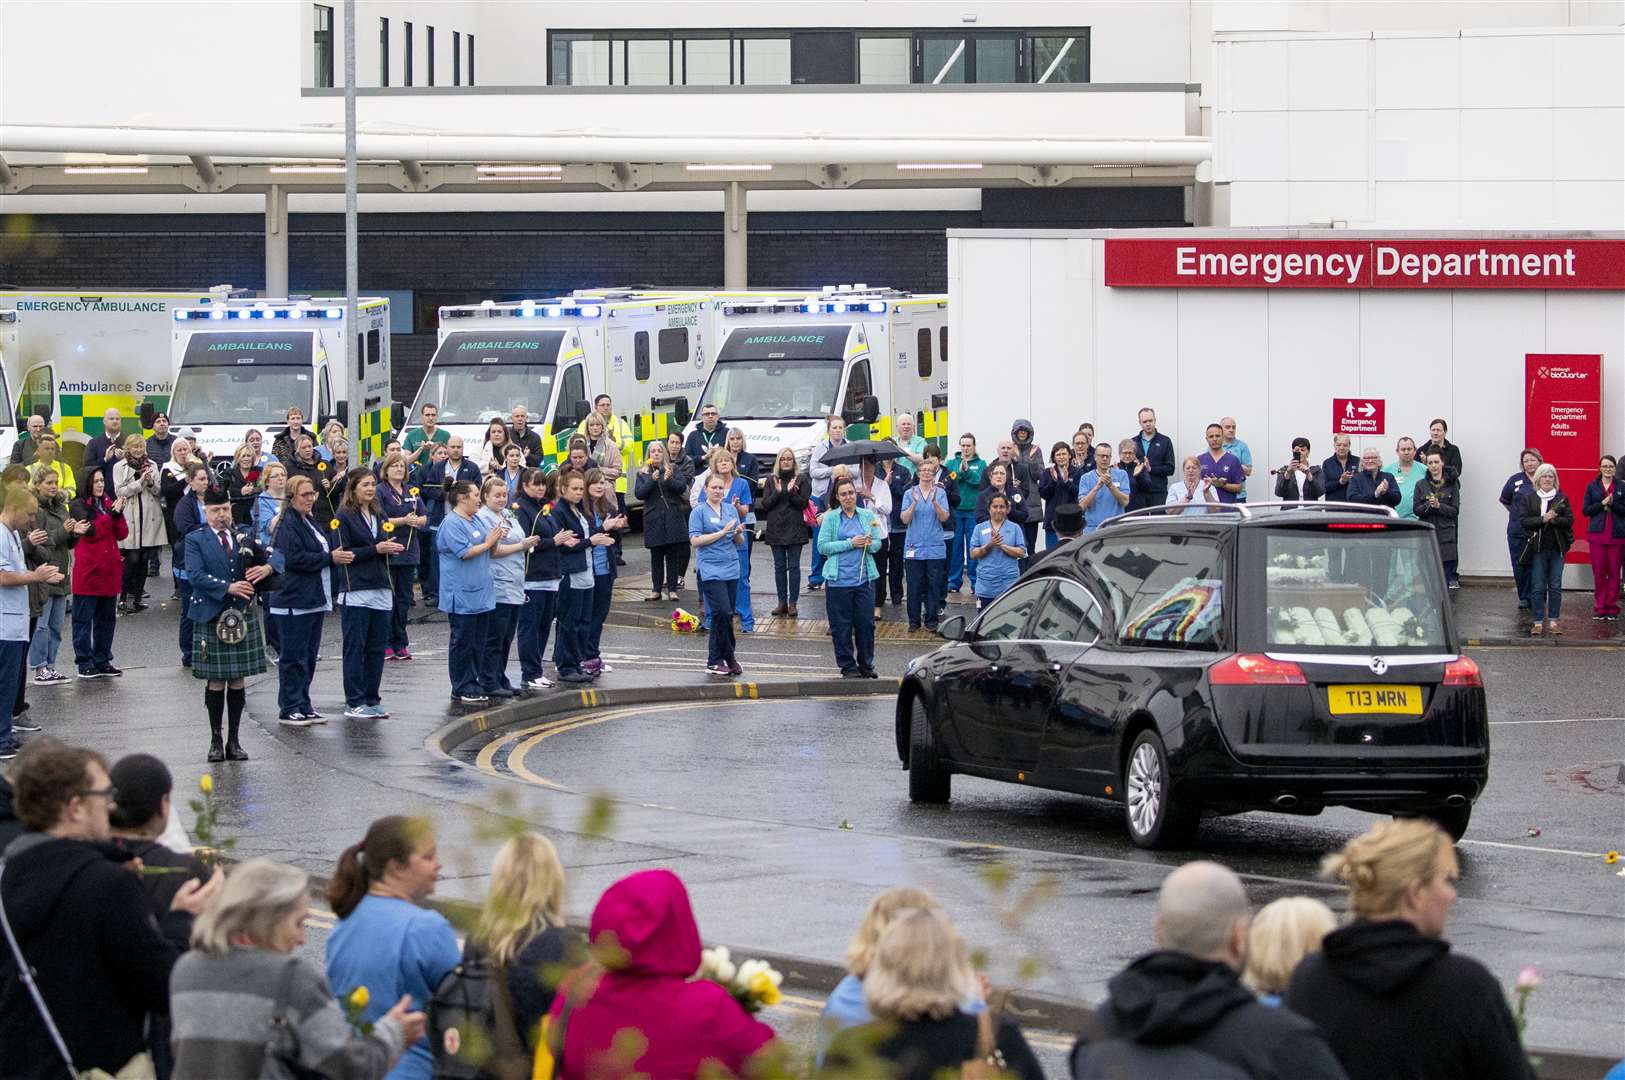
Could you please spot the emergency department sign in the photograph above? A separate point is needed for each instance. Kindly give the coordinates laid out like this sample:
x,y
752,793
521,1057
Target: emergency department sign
x,y
1358,416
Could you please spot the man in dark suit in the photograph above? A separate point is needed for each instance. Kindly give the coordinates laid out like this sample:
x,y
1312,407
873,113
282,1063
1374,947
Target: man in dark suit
x,y
1157,451
228,643
108,447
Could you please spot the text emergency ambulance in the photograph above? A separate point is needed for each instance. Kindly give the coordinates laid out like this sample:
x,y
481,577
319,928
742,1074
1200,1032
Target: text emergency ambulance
x,y
554,356
80,352
242,364
785,362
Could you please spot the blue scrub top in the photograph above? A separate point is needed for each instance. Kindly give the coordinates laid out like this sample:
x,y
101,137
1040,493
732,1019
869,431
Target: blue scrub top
x,y
997,571
718,561
465,584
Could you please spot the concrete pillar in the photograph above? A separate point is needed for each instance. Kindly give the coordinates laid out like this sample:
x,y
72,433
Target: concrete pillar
x,y
276,241
733,236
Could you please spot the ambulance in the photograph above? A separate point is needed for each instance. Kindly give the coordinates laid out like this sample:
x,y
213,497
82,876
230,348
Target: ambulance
x,y
554,356
79,352
784,362
8,349
242,363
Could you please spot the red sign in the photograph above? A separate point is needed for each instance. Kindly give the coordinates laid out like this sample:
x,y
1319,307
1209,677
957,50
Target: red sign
x,y
1208,263
1562,418
1357,416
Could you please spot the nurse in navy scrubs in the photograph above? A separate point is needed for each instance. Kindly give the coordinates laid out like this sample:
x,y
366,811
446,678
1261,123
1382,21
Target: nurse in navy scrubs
x,y
467,594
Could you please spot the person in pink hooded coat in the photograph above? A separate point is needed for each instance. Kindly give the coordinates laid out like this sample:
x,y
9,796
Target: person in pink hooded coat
x,y
643,931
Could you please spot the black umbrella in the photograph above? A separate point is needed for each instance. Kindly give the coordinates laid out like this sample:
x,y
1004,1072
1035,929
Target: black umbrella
x,y
850,453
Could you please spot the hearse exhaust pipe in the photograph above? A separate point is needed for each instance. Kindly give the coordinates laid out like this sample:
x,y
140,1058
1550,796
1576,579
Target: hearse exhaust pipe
x,y
1456,800
1286,802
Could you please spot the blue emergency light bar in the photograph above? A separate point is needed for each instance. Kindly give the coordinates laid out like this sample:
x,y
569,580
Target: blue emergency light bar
x,y
217,313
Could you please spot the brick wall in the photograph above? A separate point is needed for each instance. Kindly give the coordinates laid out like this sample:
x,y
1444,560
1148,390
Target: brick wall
x,y
534,254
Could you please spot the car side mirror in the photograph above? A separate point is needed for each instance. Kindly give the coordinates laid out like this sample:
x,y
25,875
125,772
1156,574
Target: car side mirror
x,y
871,409
147,412
954,629
681,413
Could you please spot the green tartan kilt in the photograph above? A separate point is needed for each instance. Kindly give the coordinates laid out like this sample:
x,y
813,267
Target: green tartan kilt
x,y
216,661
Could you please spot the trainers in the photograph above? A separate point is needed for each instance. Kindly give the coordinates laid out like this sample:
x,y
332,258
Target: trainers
x,y
403,654
358,712
540,682
109,670
472,699
389,654
315,717
500,692
9,751
377,712
46,677
603,668
20,722
89,673
734,668
575,677
294,720
718,669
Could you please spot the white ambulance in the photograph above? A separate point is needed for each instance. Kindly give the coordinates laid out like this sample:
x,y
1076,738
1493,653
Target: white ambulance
x,y
242,363
80,352
784,362
8,349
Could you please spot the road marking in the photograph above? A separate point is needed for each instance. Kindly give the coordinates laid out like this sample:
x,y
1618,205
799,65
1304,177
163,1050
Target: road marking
x,y
1578,720
1529,847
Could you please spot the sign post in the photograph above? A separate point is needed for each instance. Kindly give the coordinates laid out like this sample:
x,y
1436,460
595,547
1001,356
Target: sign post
x,y
1562,419
1358,416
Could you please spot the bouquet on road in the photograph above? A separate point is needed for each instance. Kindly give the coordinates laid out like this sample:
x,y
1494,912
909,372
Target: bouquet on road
x,y
752,983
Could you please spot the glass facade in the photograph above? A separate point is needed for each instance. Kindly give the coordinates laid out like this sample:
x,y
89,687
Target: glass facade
x,y
882,57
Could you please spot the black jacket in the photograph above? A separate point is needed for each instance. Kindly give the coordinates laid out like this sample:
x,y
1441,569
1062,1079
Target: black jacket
x,y
101,960
665,505
303,561
1555,535
1398,1006
1443,517
542,564
1452,456
1167,999
576,559
370,570
1029,464
1288,488
534,975
928,1049
1161,464
781,511
1020,508
10,827
1332,474
1598,517
1057,491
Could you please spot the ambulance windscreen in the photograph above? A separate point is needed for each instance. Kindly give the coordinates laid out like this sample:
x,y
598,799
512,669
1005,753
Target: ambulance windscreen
x,y
245,378
777,372
476,375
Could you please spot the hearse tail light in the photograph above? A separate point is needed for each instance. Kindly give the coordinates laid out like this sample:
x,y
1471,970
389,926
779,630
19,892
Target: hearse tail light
x,y
1255,669
1462,672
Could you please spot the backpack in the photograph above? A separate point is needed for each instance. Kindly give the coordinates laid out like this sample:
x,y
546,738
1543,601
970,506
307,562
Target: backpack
x,y
471,1028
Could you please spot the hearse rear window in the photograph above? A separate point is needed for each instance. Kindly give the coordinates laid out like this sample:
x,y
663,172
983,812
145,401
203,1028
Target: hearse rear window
x,y
1163,591
1358,587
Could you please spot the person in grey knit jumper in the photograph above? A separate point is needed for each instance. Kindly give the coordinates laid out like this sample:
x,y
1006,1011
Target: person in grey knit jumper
x,y
224,993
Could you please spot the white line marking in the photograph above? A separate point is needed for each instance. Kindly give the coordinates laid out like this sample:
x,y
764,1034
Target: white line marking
x,y
1536,850
1578,720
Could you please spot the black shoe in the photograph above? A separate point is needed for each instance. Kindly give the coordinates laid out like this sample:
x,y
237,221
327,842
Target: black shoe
x,y
89,673
500,691
576,677
234,752
851,673
108,670
9,751
216,751
869,673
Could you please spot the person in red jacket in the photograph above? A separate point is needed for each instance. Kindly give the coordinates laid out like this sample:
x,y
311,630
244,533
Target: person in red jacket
x,y
98,575
643,931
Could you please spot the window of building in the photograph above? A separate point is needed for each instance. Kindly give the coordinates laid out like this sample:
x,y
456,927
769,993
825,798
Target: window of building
x,y
456,58
885,60
1060,58
322,44
707,61
822,57
428,38
579,60
953,57
640,355
406,55
471,59
763,61
383,52
674,345
922,348
648,62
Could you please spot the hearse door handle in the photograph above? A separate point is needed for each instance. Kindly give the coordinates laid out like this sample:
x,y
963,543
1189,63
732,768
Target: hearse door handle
x,y
994,669
1055,668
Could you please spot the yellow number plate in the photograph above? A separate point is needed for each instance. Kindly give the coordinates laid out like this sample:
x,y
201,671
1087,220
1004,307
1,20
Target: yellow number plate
x,y
1344,700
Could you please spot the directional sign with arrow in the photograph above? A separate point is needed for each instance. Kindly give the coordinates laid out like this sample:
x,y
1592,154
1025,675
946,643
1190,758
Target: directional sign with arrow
x,y
1358,416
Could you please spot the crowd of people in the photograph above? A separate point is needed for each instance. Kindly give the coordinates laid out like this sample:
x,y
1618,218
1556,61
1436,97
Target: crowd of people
x,y
124,952
520,546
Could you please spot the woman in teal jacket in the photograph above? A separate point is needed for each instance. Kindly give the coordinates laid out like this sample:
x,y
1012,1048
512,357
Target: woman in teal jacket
x,y
847,537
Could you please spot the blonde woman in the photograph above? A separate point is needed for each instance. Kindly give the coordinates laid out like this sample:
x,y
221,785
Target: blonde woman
x,y
1282,934
244,948
918,978
521,932
845,1007
136,480
1390,996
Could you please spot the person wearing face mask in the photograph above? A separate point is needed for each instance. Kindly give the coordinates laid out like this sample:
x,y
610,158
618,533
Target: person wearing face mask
x,y
1386,991
1511,492
1103,491
1548,522
1438,502
1604,508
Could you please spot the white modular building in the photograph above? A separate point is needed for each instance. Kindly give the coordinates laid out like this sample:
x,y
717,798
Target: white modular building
x,y
1273,327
